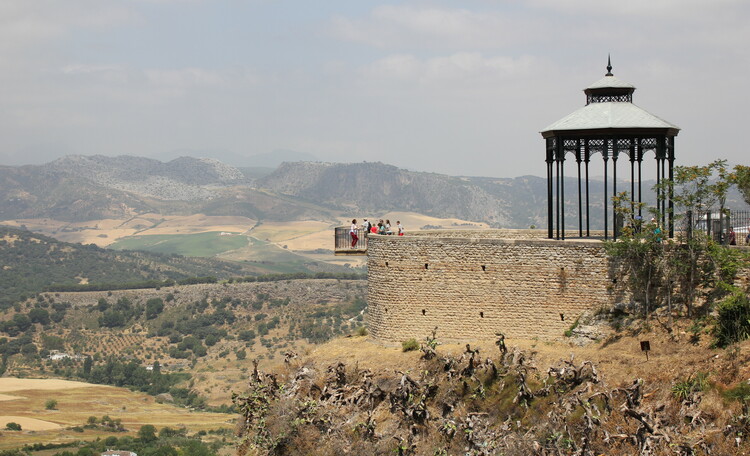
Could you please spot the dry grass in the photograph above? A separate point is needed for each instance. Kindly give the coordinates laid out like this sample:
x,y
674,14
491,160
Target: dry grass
x,y
39,384
28,424
75,404
284,231
618,358
105,232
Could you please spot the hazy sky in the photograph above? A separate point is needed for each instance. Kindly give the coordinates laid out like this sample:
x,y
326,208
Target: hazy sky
x,y
461,88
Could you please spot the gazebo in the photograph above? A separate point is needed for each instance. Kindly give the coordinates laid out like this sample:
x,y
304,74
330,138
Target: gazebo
x,y
609,124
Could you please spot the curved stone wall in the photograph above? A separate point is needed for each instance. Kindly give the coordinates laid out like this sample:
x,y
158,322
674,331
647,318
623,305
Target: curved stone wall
x,y
475,284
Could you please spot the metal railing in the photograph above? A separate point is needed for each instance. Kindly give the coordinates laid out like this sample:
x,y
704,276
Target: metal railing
x,y
717,225
343,241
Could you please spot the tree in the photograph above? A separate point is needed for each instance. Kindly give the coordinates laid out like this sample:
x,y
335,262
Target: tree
x,y
51,404
147,433
639,250
22,322
741,179
40,316
13,426
154,307
87,363
112,319
102,305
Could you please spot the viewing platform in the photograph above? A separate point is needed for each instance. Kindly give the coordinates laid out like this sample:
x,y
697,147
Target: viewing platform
x,y
343,242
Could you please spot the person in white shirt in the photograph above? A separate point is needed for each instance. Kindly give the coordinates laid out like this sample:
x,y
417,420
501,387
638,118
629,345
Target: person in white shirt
x,y
353,233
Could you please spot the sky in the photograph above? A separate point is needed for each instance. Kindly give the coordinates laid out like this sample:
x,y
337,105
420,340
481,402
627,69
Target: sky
x,y
459,88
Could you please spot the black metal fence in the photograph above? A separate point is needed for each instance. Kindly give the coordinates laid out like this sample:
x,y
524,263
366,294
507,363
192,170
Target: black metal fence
x,y
344,239
728,227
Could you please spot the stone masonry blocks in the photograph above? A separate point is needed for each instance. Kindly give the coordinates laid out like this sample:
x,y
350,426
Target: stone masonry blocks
x,y
471,285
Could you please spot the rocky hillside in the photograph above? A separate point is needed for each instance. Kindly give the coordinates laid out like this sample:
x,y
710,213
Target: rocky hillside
x,y
75,188
183,178
31,262
527,398
78,188
36,192
376,187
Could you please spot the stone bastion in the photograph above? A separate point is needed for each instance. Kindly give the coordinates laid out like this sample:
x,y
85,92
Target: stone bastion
x,y
473,284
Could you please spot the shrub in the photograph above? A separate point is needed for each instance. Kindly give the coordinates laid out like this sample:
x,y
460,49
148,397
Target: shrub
x,y
693,384
740,393
733,323
361,331
569,332
409,345
13,426
51,404
247,335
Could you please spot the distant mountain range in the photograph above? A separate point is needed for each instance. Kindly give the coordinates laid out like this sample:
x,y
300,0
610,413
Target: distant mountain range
x,y
75,188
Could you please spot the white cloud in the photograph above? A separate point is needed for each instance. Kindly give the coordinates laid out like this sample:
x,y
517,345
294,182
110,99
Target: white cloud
x,y
663,8
462,69
395,26
184,78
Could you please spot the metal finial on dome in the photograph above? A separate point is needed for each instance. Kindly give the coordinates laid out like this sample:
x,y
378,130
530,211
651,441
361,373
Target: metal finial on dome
x,y
609,66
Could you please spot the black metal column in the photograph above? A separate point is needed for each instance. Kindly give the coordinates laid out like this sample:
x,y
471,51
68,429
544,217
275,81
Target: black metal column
x,y
605,153
631,152
615,152
549,198
557,198
580,203
586,161
671,187
562,192
640,193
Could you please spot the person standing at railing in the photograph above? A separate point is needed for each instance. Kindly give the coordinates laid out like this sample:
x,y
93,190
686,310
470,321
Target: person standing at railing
x,y
353,233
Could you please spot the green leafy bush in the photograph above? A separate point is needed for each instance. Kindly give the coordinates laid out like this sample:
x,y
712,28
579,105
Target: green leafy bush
x,y
693,384
733,322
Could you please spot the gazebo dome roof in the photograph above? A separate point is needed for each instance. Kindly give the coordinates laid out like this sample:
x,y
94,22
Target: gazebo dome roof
x,y
611,115
610,82
610,109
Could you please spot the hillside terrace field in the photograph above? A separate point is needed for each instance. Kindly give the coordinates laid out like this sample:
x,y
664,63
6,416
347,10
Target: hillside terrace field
x,y
77,401
207,244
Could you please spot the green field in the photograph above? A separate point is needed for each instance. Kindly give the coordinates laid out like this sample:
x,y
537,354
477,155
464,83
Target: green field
x,y
197,245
